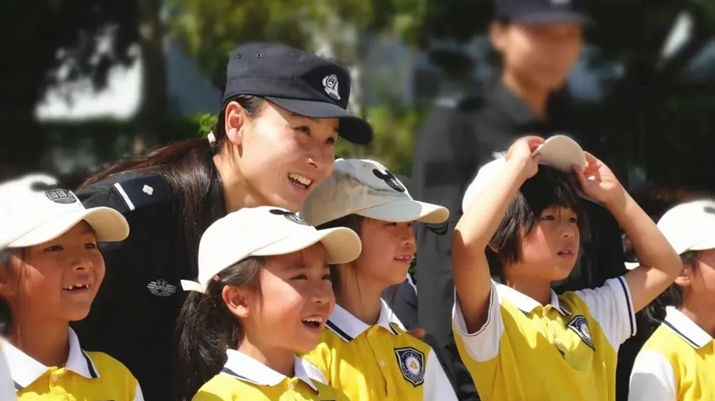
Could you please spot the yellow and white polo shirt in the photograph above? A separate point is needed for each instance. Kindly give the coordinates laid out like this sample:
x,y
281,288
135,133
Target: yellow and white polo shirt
x,y
244,378
380,362
676,363
7,389
85,376
566,350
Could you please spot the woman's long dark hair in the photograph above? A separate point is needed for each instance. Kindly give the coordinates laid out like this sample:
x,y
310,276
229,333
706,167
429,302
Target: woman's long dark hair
x,y
191,174
206,327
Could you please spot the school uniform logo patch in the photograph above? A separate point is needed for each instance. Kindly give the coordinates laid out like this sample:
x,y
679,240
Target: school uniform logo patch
x,y
412,365
330,83
161,288
290,216
389,179
62,196
579,325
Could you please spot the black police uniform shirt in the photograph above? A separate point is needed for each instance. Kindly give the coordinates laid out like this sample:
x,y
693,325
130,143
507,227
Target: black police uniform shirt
x,y
452,144
134,314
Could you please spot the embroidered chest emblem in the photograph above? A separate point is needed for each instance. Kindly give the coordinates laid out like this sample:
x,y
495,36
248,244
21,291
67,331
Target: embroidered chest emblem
x,y
161,288
412,365
579,325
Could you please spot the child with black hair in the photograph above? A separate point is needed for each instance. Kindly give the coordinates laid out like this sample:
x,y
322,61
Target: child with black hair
x,y
519,339
263,295
366,351
50,271
678,361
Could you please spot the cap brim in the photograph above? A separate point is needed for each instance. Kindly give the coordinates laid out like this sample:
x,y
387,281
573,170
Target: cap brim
x,y
553,16
342,244
352,128
562,153
108,224
407,210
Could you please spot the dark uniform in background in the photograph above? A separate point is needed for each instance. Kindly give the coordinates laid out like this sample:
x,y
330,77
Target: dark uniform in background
x,y
453,143
134,315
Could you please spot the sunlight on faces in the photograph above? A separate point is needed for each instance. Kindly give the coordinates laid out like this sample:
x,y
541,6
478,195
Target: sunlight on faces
x,y
295,291
280,152
549,251
699,283
55,280
387,251
540,55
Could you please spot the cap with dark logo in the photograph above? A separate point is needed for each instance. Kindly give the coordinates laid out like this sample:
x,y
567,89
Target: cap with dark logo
x,y
541,11
35,209
297,81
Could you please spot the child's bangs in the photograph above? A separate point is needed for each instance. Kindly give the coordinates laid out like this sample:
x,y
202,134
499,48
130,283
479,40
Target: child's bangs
x,y
551,187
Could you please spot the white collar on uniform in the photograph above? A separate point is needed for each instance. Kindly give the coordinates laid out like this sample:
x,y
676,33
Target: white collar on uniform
x,y
525,303
348,327
25,370
685,328
243,367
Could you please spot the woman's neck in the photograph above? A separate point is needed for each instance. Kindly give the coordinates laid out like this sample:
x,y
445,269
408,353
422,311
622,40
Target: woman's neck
x,y
359,296
279,359
700,313
237,194
44,339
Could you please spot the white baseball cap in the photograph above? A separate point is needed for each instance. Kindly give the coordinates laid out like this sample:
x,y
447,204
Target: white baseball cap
x,y
558,151
688,227
265,231
367,188
34,210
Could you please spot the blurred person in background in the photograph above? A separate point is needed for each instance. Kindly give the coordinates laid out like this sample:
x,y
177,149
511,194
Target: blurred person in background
x,y
539,42
274,143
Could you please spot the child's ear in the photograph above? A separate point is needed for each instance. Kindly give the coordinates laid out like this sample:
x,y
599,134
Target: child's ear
x,y
685,278
238,300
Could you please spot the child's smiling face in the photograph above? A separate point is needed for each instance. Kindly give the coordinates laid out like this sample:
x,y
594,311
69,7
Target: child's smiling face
x,y
56,280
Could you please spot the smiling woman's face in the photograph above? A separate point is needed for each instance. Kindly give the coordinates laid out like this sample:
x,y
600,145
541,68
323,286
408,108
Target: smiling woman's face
x,y
282,156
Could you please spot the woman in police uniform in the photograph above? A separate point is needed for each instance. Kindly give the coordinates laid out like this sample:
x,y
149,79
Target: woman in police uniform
x,y
273,144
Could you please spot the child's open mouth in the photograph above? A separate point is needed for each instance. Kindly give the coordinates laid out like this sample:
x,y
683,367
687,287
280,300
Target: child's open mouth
x,y
76,287
315,322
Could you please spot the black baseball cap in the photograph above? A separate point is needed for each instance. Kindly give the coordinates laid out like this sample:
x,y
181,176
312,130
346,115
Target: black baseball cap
x,y
297,81
541,11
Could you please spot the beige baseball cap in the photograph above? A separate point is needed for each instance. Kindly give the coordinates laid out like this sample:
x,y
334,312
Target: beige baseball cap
x,y
558,151
369,189
265,231
34,210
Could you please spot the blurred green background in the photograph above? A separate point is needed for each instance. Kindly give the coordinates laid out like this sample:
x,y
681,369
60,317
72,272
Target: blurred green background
x,y
644,88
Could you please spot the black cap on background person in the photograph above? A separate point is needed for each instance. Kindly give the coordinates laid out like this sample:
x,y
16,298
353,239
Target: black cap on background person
x,y
274,141
540,11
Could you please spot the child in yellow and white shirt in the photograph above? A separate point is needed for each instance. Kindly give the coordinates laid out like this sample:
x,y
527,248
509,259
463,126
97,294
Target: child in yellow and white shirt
x,y
365,351
49,275
519,340
677,363
263,296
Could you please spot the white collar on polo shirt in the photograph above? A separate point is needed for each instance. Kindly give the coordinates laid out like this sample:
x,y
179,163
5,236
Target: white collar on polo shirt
x,y
525,303
685,328
348,327
25,370
243,367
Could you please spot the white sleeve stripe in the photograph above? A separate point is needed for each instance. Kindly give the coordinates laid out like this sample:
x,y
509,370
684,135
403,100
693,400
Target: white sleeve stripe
x,y
629,302
138,396
121,191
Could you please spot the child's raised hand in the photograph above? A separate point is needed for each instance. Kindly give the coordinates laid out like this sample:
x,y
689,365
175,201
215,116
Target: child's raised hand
x,y
598,181
522,151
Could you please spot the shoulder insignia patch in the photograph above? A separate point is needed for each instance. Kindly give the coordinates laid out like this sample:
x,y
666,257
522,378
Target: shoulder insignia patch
x,y
579,325
412,365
